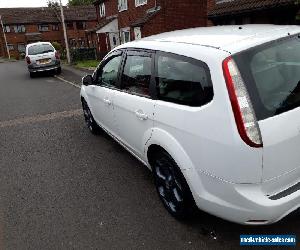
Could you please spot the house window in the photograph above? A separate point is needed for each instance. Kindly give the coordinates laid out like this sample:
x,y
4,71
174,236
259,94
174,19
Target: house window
x,y
6,29
122,5
81,42
70,25
72,42
19,28
102,9
55,27
10,47
140,2
80,25
125,35
21,48
43,27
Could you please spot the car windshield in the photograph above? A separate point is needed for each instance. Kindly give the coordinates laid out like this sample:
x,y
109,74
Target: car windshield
x,y
40,49
271,73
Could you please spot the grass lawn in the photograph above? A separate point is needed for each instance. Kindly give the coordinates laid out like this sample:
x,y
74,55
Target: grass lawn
x,y
87,64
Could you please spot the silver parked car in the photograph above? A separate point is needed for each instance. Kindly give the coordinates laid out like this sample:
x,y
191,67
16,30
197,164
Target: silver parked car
x,y
41,57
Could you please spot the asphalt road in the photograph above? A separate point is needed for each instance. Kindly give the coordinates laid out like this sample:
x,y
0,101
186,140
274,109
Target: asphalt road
x,y
63,188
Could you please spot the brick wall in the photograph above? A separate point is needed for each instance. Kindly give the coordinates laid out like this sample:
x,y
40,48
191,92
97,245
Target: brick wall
x,y
185,14
155,25
174,15
76,33
111,9
210,5
127,17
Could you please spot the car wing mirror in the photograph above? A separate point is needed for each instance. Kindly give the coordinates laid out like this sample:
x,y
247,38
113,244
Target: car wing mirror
x,y
87,80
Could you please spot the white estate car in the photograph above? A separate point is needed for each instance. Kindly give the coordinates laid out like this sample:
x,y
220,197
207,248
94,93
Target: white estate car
x,y
214,112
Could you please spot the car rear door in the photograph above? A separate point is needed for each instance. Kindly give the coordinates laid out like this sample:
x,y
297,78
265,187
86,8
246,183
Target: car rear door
x,y
133,105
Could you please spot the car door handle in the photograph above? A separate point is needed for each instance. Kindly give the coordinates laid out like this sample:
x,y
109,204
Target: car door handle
x,y
107,102
139,114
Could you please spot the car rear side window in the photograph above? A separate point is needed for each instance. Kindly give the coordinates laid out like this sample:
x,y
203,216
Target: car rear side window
x,y
271,73
40,49
182,80
137,74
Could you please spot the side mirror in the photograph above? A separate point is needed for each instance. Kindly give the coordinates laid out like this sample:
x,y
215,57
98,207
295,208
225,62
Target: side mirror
x,y
87,80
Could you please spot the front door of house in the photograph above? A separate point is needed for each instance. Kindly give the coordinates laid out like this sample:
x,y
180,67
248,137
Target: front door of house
x,y
137,33
114,39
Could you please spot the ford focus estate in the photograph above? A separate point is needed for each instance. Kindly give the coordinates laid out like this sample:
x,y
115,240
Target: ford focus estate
x,y
213,112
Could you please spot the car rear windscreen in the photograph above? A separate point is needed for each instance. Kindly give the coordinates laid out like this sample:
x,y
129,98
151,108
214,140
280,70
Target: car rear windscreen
x,y
271,73
40,49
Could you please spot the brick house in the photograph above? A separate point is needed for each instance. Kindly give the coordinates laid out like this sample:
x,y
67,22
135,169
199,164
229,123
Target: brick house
x,y
27,25
222,12
120,21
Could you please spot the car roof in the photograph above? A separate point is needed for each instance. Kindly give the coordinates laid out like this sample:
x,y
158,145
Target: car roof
x,y
37,43
233,38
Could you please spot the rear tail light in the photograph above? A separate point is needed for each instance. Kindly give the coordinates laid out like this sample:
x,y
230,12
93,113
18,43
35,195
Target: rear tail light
x,y
241,105
56,55
28,60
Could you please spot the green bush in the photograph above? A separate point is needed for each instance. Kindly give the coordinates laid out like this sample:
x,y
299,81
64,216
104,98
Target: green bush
x,y
22,55
57,46
82,54
63,54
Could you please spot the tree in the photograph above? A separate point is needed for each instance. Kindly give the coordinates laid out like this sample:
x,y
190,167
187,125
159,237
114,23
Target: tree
x,y
53,3
80,2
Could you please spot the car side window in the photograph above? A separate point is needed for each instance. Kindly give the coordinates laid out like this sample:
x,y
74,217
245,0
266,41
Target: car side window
x,y
137,74
183,80
108,74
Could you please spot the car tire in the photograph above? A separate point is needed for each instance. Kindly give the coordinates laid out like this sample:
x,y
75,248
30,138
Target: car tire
x,y
89,119
31,74
172,187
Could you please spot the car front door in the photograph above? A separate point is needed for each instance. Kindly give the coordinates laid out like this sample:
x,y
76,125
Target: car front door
x,y
101,94
133,105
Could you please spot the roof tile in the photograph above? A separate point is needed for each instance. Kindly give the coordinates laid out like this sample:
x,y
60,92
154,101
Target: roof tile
x,y
46,15
238,6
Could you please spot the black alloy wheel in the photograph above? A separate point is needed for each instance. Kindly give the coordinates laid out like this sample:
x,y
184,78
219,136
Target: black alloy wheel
x,y
89,119
172,187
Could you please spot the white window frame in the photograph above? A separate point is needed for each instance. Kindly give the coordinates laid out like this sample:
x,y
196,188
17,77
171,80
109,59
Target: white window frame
x,y
122,5
140,2
23,49
102,9
43,27
10,47
6,28
20,28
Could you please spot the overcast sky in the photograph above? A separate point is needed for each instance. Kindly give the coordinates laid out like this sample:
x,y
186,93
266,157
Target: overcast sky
x,y
25,3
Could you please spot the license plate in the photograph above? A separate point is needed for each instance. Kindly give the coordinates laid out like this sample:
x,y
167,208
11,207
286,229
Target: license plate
x,y
44,61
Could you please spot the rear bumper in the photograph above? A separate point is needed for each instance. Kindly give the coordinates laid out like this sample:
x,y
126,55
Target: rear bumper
x,y
241,203
33,68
